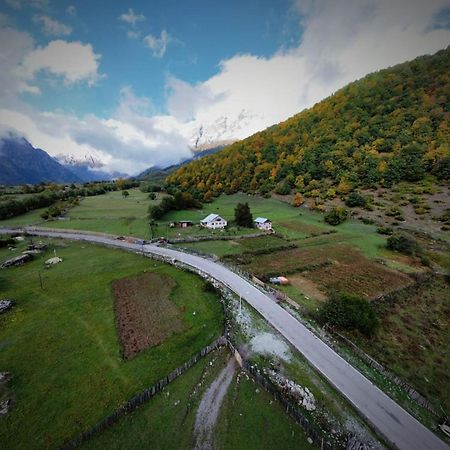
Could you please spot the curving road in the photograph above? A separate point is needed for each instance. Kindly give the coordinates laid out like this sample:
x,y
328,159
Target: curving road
x,y
397,426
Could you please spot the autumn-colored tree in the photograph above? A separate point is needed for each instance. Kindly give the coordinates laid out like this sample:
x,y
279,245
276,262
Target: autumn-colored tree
x,y
298,200
120,183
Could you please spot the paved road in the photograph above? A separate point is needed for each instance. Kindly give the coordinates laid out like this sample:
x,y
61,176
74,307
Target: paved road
x,y
396,425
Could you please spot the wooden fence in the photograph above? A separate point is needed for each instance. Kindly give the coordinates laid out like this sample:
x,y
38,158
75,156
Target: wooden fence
x,y
141,398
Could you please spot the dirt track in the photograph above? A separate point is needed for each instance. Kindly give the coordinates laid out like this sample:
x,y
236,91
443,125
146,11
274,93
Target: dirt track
x,y
209,407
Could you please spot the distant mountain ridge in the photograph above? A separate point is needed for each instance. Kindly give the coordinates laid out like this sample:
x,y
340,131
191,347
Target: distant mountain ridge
x,y
21,163
87,168
157,174
390,126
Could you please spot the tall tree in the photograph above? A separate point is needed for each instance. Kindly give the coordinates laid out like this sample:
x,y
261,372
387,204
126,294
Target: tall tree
x,y
242,215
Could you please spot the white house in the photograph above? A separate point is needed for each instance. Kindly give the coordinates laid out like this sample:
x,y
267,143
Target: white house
x,y
213,221
263,224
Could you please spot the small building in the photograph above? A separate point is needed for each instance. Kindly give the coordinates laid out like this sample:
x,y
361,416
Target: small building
x,y
213,221
263,224
184,223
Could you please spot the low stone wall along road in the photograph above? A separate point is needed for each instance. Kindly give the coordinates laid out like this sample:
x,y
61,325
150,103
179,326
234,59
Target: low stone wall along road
x,y
397,426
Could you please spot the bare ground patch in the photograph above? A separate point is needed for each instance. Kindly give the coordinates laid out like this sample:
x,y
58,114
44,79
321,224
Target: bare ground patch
x,y
209,407
307,287
336,267
145,316
353,273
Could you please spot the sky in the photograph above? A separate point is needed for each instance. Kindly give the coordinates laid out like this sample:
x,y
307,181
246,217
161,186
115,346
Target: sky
x,y
136,83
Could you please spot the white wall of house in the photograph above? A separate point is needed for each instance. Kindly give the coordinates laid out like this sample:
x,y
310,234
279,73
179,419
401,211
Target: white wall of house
x,y
217,223
264,226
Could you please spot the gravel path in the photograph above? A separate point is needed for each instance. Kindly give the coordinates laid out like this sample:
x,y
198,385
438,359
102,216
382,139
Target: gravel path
x,y
209,407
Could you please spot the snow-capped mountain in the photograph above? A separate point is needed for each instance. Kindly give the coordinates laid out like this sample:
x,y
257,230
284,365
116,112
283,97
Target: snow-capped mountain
x,y
222,131
87,167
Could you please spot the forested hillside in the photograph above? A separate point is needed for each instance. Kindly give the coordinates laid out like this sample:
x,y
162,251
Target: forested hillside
x,y
391,126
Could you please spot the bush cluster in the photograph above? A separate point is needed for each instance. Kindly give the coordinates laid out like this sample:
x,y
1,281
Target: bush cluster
x,y
336,216
350,312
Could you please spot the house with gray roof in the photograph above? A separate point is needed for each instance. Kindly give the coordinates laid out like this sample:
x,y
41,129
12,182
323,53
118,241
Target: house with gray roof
x,y
213,221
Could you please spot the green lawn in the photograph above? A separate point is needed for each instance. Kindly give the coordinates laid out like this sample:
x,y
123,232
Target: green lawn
x,y
166,421
29,218
294,224
110,213
61,345
251,419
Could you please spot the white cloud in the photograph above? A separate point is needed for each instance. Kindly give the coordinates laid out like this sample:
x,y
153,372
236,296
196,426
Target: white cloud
x,y
131,17
130,141
4,20
158,45
73,61
71,10
133,34
15,4
52,27
39,4
14,46
342,41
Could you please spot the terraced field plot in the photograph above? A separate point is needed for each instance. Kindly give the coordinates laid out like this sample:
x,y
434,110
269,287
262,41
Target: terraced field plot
x,y
145,316
332,267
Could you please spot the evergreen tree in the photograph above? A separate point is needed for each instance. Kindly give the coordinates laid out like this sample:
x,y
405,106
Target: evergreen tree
x,y
242,215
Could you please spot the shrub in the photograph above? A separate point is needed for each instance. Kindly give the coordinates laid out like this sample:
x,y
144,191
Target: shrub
x,y
298,200
401,242
350,312
152,196
4,242
356,199
336,216
385,230
283,188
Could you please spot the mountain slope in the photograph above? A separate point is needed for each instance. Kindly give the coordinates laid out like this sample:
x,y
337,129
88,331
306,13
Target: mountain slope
x,y
157,174
87,168
21,163
390,126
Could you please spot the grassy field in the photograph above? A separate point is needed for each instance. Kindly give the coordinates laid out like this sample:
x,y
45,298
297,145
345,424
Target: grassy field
x,y
251,419
167,420
293,224
61,344
414,339
247,419
110,213
29,218
236,246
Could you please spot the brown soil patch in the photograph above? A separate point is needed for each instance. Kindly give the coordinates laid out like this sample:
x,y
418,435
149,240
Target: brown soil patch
x,y
353,273
145,316
285,262
336,267
307,287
